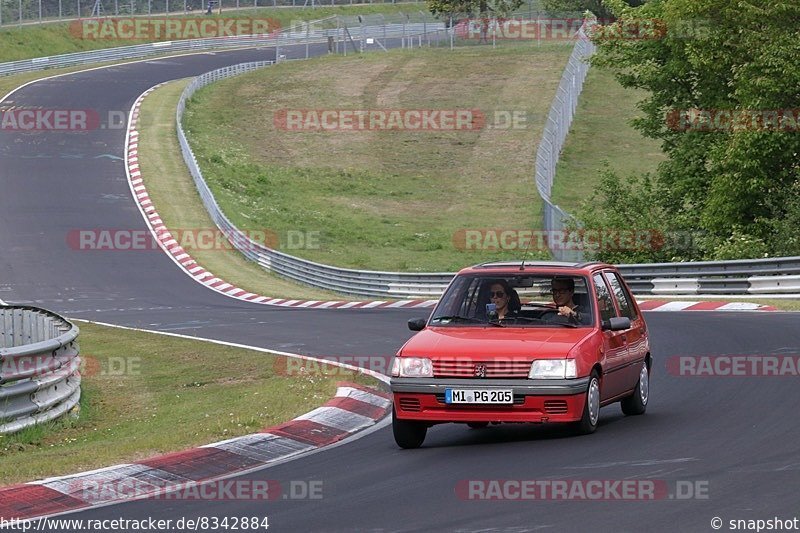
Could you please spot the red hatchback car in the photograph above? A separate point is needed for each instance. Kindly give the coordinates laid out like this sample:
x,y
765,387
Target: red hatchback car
x,y
518,342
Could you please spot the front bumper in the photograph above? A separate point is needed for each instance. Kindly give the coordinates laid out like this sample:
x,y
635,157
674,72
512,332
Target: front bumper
x,y
543,400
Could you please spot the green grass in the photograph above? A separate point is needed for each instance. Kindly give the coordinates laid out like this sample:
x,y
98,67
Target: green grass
x,y
601,131
383,200
166,177
145,394
27,42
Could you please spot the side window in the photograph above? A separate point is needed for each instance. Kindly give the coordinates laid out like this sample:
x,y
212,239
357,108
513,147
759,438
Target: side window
x,y
604,303
622,296
469,305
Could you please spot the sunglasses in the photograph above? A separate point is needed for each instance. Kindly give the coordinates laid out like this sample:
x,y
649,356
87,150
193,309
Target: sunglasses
x,y
497,294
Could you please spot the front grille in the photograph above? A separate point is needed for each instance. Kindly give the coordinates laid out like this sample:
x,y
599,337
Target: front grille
x,y
471,368
410,404
555,407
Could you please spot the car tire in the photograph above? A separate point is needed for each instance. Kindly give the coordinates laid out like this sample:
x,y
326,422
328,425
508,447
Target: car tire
x,y
636,403
591,407
408,433
477,425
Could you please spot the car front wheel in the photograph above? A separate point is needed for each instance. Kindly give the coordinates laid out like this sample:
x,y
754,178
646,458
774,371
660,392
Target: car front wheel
x,y
408,433
636,403
591,408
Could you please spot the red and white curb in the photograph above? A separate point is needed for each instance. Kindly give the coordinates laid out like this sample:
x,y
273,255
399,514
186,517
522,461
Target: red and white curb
x,y
353,409
185,261
677,305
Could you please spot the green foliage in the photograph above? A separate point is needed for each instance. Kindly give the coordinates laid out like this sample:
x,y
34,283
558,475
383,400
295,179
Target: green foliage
x,y
631,208
738,56
740,245
599,7
454,8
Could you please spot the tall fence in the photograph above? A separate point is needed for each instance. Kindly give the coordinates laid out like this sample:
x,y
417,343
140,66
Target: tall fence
x,y
555,133
39,367
354,34
42,11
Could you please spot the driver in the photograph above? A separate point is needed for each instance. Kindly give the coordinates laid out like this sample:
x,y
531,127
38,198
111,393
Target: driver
x,y
563,289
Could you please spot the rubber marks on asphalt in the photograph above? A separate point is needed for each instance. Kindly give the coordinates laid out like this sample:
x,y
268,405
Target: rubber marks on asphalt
x,y
183,259
353,409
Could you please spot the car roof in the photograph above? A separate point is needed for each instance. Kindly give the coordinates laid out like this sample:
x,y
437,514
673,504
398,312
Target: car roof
x,y
550,266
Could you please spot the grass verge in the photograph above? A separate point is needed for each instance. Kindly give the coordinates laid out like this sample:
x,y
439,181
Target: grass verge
x,y
601,132
145,394
27,42
166,178
389,199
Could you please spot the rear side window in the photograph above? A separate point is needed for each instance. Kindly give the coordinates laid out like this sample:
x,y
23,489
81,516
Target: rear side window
x,y
604,303
622,296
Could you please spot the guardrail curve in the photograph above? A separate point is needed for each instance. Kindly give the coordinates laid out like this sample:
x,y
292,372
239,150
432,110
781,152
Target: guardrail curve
x,y
39,367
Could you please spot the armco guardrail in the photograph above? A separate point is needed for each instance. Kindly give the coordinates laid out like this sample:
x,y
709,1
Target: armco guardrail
x,y
744,276
343,31
39,367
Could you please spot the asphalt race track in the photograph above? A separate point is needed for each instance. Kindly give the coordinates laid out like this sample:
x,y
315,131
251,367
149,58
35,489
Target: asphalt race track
x,y
735,437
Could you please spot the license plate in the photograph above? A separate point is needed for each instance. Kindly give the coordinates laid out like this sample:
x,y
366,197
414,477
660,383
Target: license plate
x,y
478,396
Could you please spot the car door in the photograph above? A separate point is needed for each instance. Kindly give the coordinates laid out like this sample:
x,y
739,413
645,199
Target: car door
x,y
636,336
614,357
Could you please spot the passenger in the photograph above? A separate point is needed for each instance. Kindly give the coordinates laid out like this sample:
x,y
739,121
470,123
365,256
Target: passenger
x,y
505,299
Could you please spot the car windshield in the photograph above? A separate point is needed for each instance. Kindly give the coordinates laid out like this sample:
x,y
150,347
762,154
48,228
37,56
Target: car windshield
x,y
521,300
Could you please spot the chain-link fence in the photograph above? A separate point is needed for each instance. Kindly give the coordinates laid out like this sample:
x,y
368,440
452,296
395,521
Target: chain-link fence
x,y
20,12
559,120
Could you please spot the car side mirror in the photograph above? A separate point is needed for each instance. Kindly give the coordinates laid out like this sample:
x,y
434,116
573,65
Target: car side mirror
x,y
617,323
417,324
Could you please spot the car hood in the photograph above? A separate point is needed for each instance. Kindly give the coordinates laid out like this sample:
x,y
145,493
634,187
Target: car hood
x,y
445,342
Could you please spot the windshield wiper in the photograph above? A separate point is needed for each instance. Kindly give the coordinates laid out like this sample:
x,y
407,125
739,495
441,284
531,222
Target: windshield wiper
x,y
565,324
468,319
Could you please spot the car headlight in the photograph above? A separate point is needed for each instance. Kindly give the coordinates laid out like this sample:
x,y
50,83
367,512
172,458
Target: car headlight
x,y
412,367
553,369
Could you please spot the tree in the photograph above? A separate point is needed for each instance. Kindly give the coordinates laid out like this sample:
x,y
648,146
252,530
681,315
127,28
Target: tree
x,y
482,8
717,75
581,6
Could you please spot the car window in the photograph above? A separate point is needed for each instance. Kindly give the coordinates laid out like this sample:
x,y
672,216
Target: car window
x,y
604,303
622,296
524,300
